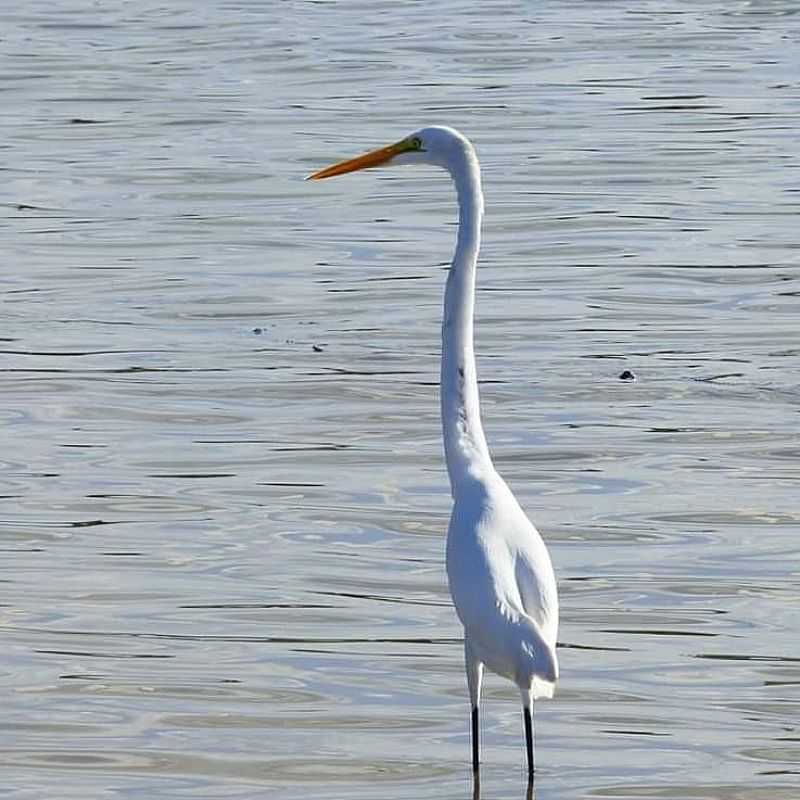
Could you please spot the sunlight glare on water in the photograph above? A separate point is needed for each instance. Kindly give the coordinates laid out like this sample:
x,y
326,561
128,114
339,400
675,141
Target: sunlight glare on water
x,y
223,491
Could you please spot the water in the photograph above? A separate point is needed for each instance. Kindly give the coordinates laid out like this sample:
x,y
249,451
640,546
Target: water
x,y
223,497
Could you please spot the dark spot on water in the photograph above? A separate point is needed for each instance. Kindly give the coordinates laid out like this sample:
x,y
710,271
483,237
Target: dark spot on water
x,y
83,121
317,348
258,331
461,373
186,475
627,375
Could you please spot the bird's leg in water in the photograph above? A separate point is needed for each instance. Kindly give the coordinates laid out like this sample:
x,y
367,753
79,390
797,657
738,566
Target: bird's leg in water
x,y
476,762
476,786
528,713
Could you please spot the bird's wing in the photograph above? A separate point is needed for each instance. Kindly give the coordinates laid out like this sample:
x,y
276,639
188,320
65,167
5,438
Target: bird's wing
x,y
533,574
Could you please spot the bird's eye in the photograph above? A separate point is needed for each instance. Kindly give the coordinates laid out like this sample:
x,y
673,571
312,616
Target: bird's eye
x,y
416,143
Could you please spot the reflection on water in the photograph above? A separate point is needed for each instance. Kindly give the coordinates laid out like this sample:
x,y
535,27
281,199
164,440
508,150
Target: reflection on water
x,y
223,496
530,789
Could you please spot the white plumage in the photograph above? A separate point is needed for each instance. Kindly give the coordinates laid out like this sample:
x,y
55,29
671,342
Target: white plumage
x,y
500,574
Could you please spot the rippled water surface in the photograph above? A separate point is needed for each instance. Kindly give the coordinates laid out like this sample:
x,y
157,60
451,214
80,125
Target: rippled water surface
x,y
223,496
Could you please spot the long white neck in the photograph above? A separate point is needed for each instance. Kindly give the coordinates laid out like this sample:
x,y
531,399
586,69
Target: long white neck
x,y
465,446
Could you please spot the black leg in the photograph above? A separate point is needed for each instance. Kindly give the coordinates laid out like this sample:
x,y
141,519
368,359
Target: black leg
x,y
476,764
529,795
529,740
476,786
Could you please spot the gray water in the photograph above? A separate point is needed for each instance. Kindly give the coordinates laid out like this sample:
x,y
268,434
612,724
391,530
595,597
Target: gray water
x,y
223,494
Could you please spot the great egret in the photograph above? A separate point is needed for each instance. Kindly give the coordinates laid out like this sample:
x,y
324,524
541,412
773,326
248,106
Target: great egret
x,y
499,571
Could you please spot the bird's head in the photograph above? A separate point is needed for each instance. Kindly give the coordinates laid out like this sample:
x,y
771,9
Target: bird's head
x,y
437,145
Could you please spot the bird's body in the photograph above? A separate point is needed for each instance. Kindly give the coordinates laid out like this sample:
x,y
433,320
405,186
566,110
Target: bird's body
x,y
503,588
500,575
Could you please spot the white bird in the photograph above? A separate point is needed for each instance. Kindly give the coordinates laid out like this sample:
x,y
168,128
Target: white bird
x,y
500,575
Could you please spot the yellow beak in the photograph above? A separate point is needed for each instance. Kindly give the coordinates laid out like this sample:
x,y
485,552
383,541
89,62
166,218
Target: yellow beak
x,y
372,159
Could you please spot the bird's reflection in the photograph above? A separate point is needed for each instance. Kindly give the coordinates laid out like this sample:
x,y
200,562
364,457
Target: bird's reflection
x,y
530,793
